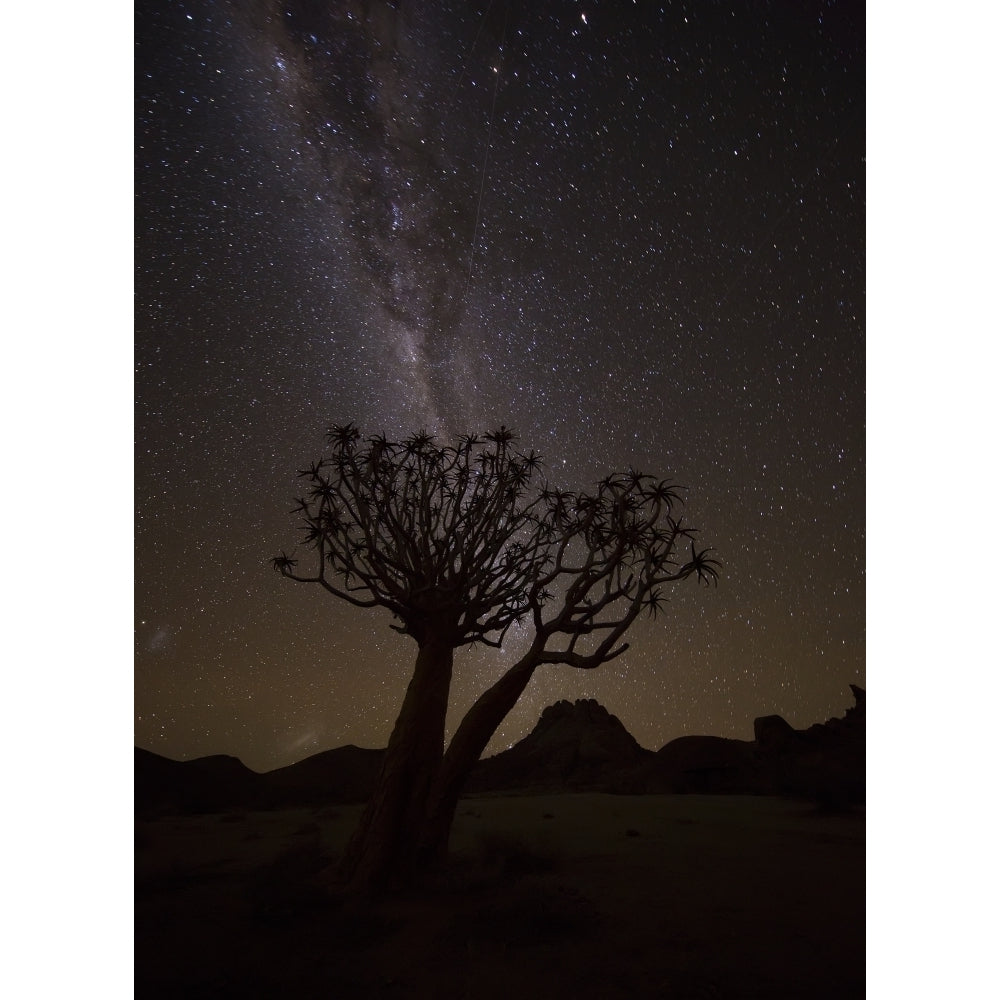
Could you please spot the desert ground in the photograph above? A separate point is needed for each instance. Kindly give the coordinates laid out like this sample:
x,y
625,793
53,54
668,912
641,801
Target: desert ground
x,y
586,895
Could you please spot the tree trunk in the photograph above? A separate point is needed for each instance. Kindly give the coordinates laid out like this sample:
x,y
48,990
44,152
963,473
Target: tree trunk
x,y
465,749
382,849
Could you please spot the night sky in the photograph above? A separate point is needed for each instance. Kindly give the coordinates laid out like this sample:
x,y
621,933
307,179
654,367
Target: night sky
x,y
635,234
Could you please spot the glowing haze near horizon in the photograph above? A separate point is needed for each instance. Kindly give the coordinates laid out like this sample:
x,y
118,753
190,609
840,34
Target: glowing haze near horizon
x,y
633,234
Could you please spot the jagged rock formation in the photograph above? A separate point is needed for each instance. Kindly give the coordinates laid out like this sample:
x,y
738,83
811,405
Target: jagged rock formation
x,y
825,763
575,745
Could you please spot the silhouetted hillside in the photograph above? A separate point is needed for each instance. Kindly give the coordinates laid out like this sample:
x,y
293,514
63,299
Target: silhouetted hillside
x,y
575,746
206,784
346,774
705,765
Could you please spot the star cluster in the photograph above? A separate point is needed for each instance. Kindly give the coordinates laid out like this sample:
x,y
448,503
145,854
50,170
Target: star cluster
x,y
633,234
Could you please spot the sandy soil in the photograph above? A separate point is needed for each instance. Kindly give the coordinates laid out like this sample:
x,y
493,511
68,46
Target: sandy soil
x,y
587,895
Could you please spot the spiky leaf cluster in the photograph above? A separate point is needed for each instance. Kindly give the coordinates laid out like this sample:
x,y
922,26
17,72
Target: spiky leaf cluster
x,y
445,537
613,551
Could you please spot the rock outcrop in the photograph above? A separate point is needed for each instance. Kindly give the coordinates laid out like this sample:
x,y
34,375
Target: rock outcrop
x,y
574,746
824,763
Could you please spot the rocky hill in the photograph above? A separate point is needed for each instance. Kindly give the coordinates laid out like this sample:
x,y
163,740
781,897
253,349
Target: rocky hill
x,y
575,745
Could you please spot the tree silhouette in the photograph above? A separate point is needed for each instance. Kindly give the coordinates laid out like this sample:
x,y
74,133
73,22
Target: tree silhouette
x,y
459,543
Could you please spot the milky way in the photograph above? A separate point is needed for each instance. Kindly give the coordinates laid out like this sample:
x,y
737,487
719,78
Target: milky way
x,y
636,235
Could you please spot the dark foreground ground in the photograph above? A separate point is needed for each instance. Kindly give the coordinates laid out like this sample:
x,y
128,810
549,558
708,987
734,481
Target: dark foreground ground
x,y
579,896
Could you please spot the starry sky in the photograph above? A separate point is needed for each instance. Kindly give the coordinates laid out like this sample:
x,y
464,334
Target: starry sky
x,y
633,233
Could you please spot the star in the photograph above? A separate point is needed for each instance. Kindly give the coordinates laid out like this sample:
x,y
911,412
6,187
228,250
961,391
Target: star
x,y
641,248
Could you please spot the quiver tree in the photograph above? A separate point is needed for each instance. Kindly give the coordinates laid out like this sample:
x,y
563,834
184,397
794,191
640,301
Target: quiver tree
x,y
459,543
613,553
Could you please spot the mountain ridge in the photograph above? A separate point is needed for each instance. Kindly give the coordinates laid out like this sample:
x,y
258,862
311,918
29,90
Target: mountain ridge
x,y
574,746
